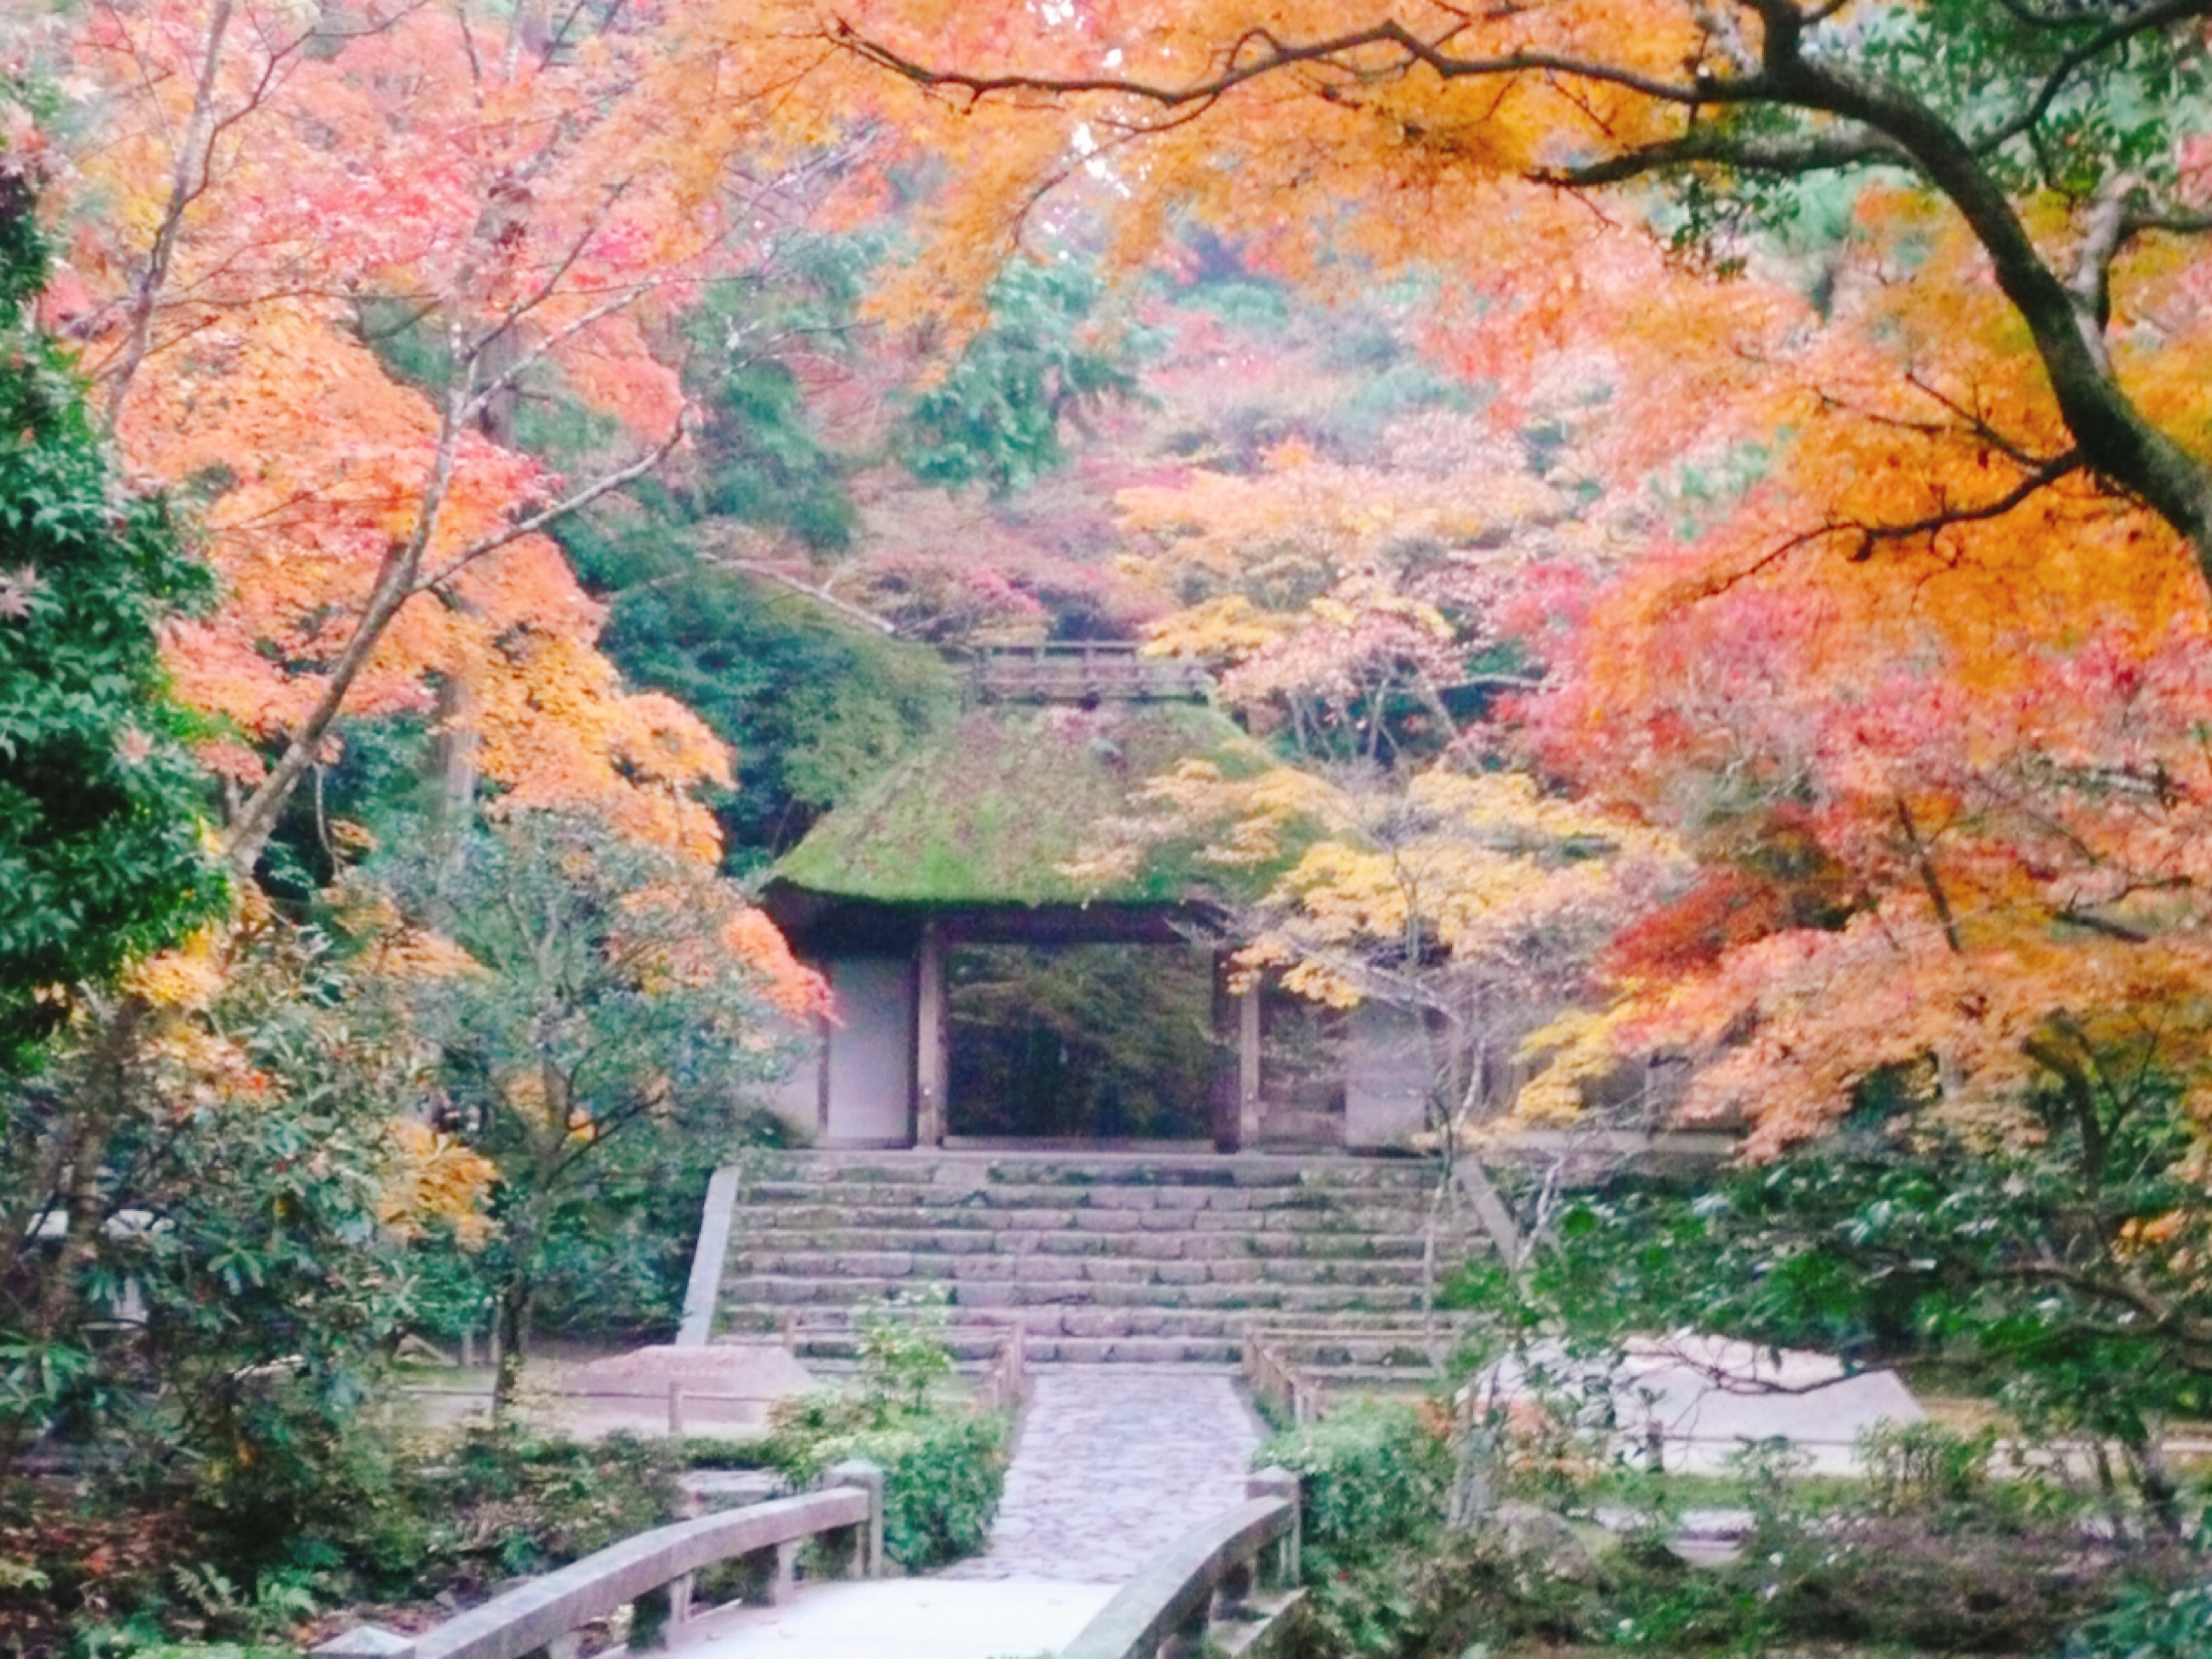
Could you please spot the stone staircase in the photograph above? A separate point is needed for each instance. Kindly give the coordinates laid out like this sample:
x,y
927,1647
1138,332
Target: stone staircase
x,y
1100,1256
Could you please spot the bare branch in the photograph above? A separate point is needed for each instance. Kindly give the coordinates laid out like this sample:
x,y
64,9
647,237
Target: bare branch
x,y
1873,535
183,187
576,501
1276,56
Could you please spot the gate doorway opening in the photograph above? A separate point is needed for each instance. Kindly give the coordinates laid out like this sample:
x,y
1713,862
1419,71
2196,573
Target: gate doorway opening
x,y
1086,1041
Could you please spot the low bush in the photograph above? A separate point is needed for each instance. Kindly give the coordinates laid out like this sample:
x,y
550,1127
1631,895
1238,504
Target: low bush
x,y
1924,1582
2150,1622
1372,1485
111,1569
944,1466
509,1501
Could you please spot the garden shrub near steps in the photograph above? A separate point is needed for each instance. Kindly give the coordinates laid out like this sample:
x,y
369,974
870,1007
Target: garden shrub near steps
x,y
1371,1480
943,1461
944,1467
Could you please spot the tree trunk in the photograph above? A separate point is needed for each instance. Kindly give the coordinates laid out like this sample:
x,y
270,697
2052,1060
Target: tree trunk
x,y
80,1159
512,1312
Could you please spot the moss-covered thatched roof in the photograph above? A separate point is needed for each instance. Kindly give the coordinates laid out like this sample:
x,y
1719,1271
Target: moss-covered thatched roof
x,y
990,813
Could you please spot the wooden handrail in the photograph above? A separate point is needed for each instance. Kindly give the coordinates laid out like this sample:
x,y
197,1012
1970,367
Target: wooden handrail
x,y
1211,1573
652,1571
1086,669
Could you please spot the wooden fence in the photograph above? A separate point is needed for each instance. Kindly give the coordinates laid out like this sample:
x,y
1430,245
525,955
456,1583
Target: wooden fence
x,y
1089,672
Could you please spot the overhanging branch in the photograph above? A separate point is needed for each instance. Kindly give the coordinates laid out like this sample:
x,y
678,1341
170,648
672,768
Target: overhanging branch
x,y
1276,56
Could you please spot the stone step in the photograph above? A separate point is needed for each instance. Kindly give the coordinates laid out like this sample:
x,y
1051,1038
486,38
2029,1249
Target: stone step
x,y
1134,1350
1302,1130
1041,1323
779,1291
1212,1353
1101,1257
978,1217
1321,1350
910,1169
1112,1269
1028,1195
771,1237
829,1321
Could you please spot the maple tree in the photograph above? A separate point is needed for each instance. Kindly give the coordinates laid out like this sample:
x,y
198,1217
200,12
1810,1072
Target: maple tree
x,y
1874,386
266,175
600,1001
2058,141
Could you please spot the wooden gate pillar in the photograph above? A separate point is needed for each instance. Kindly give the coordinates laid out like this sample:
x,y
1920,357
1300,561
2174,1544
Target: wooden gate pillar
x,y
932,1061
1247,1064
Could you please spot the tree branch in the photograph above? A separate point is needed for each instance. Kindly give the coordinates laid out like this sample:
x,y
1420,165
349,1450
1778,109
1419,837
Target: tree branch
x,y
2073,62
1885,121
1703,145
1278,56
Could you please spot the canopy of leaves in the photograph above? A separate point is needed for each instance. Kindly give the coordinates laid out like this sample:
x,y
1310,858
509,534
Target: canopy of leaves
x,y
102,808
996,416
818,706
607,1009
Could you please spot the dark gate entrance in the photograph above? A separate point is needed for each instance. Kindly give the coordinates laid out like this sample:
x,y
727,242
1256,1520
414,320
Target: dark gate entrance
x,y
1089,1042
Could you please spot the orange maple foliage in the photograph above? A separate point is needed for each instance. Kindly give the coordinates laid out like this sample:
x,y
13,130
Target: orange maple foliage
x,y
1853,605
260,171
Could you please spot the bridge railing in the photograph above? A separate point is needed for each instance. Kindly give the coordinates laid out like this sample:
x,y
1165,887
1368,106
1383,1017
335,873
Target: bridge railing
x,y
1272,1377
1005,1376
655,1574
1237,1573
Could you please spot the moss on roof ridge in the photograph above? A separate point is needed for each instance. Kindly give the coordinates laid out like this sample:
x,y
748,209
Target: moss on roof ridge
x,y
991,812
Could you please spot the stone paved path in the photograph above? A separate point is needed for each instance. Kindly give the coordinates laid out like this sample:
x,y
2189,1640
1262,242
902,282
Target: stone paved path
x,y
1113,1462
901,1618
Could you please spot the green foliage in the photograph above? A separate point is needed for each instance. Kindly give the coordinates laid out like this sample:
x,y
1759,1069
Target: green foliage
x,y
1979,66
603,1051
223,1318
1092,1039
815,707
130,1568
1371,1473
943,1463
1925,1467
2002,1265
101,806
509,1501
1816,1570
380,779
2150,1622
944,1467
902,1350
995,417
1371,1484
